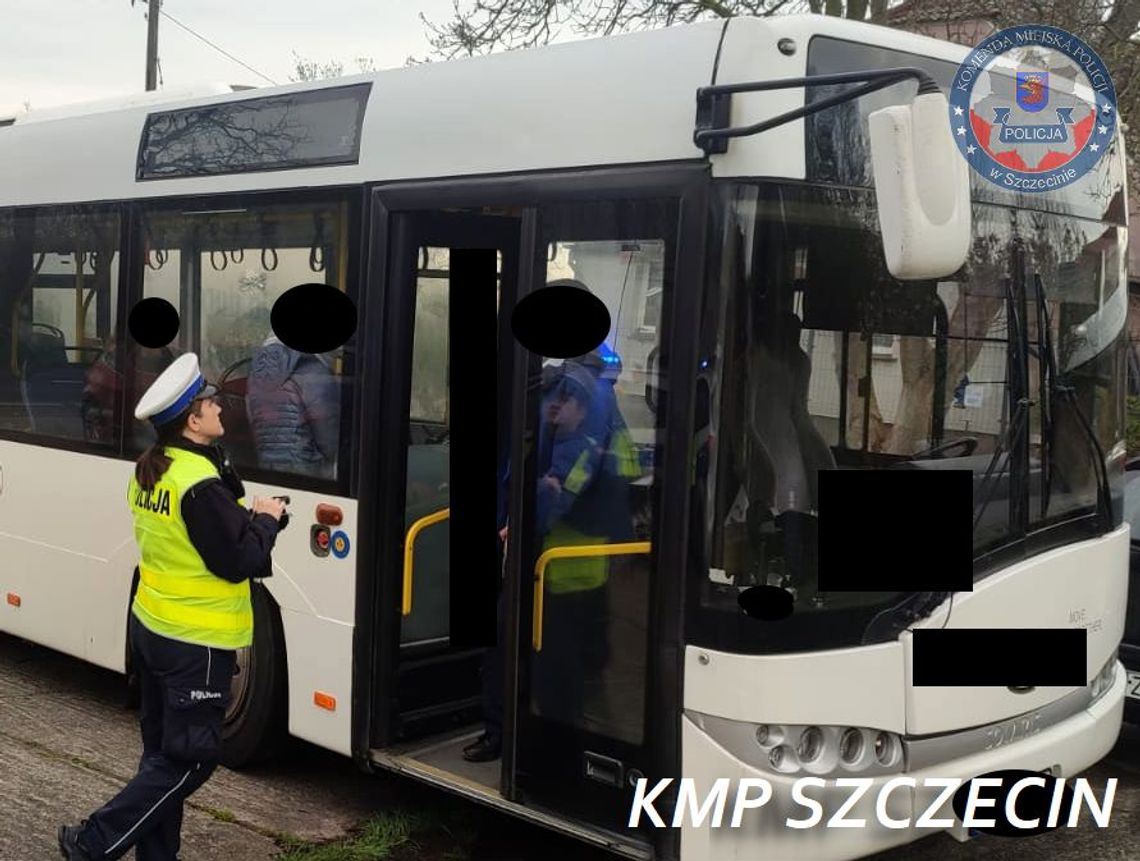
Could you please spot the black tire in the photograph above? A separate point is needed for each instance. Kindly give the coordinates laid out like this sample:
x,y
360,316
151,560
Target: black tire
x,y
256,722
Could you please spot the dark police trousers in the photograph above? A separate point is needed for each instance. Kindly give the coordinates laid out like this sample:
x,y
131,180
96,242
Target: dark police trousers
x,y
184,690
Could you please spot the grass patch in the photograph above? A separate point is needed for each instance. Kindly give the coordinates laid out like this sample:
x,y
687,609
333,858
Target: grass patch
x,y
219,814
389,835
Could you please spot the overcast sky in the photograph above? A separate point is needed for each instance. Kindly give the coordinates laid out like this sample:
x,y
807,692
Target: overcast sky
x,y
54,52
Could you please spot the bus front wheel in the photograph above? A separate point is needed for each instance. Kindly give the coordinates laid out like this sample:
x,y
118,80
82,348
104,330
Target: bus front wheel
x,y
256,722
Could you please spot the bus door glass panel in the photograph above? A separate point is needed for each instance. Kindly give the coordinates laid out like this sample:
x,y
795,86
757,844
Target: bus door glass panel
x,y
428,495
59,280
223,271
597,438
596,449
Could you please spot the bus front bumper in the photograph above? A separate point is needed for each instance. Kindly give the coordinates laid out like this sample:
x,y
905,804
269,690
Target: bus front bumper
x,y
1064,749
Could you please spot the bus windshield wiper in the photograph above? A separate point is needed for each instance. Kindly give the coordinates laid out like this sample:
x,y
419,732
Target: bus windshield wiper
x,y
1054,386
1018,369
889,623
1047,378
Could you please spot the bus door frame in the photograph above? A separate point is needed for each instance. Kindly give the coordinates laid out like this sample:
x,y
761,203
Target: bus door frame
x,y
376,636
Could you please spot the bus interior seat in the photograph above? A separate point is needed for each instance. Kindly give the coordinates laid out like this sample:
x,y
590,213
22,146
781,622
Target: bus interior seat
x,y
52,396
778,420
45,347
50,386
784,481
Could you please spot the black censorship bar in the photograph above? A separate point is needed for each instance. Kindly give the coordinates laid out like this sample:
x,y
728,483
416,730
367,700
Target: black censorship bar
x,y
1018,657
896,530
472,328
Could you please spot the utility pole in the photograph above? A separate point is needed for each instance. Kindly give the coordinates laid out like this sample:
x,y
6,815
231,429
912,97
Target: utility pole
x,y
152,44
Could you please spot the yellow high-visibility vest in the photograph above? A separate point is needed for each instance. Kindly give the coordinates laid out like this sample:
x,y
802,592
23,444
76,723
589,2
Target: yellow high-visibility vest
x,y
178,596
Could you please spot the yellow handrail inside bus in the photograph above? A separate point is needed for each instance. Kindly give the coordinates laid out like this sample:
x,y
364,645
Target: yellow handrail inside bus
x,y
409,551
629,548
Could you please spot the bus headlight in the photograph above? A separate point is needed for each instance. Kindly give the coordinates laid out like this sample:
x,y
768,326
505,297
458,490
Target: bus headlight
x,y
887,748
810,745
768,735
807,749
1103,680
851,746
778,758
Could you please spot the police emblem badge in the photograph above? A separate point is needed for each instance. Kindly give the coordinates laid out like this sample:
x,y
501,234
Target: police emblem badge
x,y
1032,108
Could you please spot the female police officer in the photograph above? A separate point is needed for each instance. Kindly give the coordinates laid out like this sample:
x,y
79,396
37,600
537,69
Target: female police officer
x,y
198,548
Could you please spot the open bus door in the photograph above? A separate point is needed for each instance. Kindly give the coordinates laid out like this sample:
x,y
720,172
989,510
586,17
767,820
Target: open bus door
x,y
441,402
460,404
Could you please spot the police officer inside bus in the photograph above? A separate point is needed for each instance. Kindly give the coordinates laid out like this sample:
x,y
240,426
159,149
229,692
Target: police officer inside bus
x,y
586,462
199,546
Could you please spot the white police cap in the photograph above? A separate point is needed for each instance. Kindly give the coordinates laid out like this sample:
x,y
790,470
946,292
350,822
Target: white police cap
x,y
174,390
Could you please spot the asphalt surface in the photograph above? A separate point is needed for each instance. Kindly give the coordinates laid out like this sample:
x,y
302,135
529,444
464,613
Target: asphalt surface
x,y
67,743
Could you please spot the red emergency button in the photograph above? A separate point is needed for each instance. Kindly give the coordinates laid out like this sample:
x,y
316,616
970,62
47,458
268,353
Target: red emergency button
x,y
329,515
319,540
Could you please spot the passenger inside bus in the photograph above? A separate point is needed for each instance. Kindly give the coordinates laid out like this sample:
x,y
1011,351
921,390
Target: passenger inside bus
x,y
586,462
104,382
583,498
293,401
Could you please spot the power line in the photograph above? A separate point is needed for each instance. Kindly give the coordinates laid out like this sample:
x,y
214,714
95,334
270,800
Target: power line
x,y
174,20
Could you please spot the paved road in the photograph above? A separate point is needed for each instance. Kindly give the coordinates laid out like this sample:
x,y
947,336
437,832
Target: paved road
x,y
67,743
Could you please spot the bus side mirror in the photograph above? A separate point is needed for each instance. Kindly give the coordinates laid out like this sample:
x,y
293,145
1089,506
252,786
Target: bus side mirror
x,y
922,183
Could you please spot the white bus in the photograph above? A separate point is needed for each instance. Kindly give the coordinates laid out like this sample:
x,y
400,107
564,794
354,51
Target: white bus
x,y
439,196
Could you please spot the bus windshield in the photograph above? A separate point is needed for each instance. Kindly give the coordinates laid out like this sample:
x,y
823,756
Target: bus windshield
x,y
813,357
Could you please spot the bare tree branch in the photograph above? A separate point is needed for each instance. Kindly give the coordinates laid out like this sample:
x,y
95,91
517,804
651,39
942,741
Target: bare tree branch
x,y
1111,27
482,26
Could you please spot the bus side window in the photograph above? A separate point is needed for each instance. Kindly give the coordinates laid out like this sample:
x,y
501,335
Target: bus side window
x,y
59,275
224,271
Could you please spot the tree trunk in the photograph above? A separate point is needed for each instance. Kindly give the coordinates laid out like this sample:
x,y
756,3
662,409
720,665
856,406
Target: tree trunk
x,y
857,405
912,422
911,430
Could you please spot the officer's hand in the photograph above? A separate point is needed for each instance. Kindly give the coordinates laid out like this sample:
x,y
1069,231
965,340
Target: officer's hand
x,y
275,508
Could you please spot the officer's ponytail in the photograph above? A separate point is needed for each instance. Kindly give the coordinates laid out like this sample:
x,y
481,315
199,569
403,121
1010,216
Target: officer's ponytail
x,y
153,463
150,466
